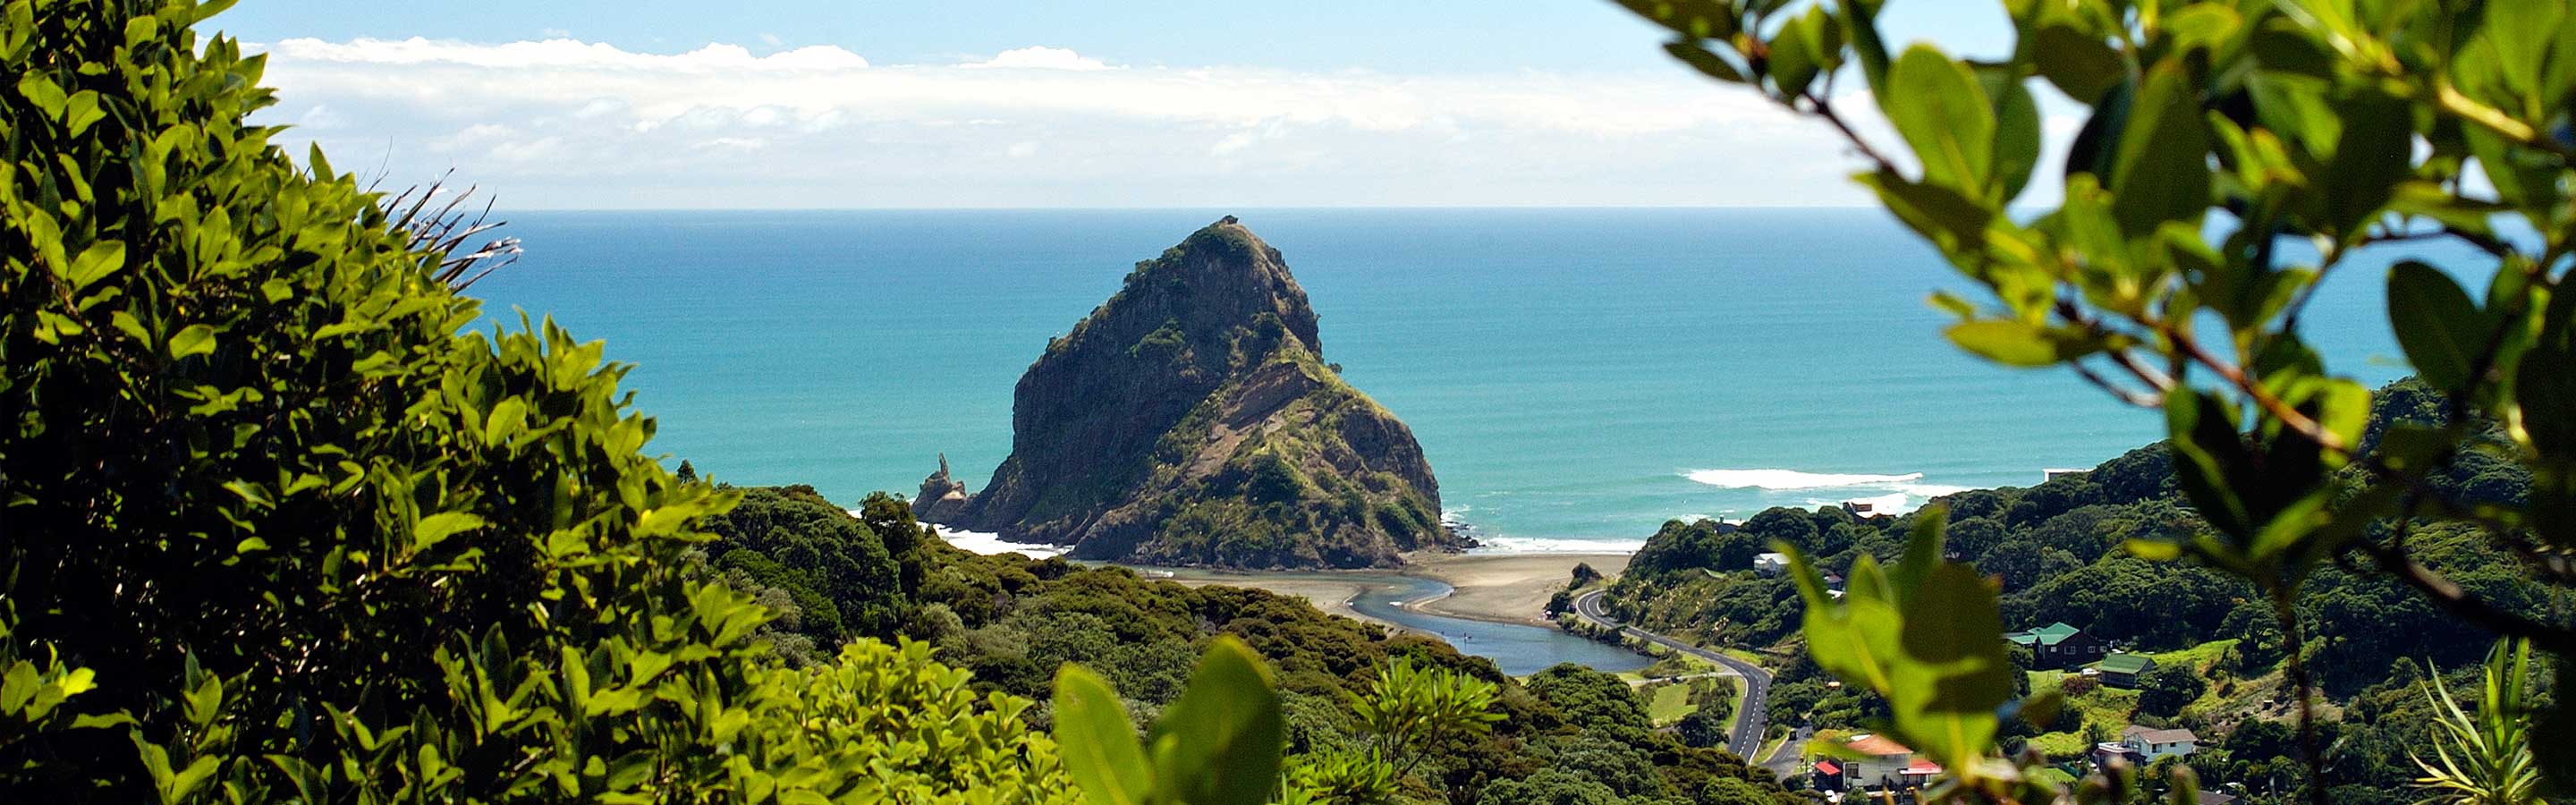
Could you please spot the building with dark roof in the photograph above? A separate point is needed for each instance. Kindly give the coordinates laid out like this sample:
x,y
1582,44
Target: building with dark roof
x,y
2059,645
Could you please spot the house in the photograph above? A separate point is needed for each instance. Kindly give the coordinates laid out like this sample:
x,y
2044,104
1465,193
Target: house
x,y
2122,670
1883,764
2059,645
1771,564
2053,473
2152,744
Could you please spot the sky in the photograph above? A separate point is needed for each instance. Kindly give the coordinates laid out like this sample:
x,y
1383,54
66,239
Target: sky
x,y
1113,103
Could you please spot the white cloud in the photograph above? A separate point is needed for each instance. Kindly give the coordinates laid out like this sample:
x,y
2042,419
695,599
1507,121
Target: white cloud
x,y
320,117
769,39
1040,58
566,123
735,144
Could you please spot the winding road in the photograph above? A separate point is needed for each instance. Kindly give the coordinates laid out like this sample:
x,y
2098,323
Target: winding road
x,y
1751,715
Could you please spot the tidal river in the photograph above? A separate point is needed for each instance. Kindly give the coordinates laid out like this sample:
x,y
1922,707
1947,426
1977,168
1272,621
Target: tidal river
x,y
1518,649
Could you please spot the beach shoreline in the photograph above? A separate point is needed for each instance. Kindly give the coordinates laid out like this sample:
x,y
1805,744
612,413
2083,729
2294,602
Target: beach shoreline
x,y
1494,587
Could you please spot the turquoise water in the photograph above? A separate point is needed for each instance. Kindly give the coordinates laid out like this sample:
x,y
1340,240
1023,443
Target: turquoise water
x,y
1576,376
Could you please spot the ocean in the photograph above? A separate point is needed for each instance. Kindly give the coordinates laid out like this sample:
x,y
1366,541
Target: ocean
x,y
1576,376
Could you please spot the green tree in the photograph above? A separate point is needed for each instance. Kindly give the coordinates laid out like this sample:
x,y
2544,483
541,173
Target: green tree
x,y
2165,690
1411,712
279,526
2234,156
1584,576
1706,726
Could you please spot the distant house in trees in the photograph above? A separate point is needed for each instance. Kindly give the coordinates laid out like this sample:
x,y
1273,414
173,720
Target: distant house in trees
x,y
1771,564
2140,745
1882,764
2052,474
2154,744
2059,645
2122,670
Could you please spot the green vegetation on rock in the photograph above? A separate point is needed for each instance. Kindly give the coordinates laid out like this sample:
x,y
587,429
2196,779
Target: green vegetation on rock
x,y
1191,420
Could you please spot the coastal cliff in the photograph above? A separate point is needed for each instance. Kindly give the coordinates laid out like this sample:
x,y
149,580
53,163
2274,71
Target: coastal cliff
x,y
1191,420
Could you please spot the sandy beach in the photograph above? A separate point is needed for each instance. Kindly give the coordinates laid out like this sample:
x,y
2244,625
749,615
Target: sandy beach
x,y
1499,587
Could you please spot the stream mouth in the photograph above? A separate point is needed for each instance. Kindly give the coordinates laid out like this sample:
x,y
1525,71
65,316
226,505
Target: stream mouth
x,y
1518,649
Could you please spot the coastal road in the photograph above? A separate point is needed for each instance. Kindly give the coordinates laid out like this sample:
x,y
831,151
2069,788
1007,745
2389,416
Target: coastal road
x,y
1751,715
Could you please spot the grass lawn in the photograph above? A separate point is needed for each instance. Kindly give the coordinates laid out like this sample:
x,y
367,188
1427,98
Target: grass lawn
x,y
2044,680
2200,656
2059,745
1670,704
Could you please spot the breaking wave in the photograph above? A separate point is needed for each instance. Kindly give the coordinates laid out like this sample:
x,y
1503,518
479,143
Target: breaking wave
x,y
1776,480
984,542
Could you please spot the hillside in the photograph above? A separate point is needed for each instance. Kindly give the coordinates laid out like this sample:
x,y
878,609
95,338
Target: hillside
x,y
2059,552
1191,420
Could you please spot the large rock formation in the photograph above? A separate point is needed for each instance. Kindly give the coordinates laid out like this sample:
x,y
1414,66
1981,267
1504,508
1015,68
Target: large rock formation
x,y
1191,420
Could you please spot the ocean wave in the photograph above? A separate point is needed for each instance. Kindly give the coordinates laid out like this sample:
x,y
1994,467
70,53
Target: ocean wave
x,y
1778,480
984,542
1488,545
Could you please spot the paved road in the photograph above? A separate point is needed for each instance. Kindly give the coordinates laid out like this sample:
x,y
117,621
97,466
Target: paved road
x,y
1751,715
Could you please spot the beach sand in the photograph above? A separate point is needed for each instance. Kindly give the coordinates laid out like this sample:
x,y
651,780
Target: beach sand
x,y
1500,587
1505,587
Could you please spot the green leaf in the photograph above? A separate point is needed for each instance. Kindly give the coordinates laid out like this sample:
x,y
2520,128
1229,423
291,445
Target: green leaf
x,y
2437,325
195,339
96,262
2373,155
2520,30
1807,45
2016,138
1860,24
1953,222
1957,672
438,527
1694,19
43,92
1220,743
2210,458
2013,342
2545,387
80,111
507,418
206,702
2161,171
1937,105
1099,745
1708,63
2081,65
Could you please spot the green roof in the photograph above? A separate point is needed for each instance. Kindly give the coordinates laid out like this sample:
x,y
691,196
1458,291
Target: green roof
x,y
2124,664
2049,635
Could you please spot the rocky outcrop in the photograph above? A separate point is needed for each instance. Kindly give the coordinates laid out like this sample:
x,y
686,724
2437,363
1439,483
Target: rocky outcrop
x,y
942,498
1191,420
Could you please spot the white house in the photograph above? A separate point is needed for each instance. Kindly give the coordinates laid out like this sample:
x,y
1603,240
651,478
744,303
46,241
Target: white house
x,y
2151,744
1771,564
1883,764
